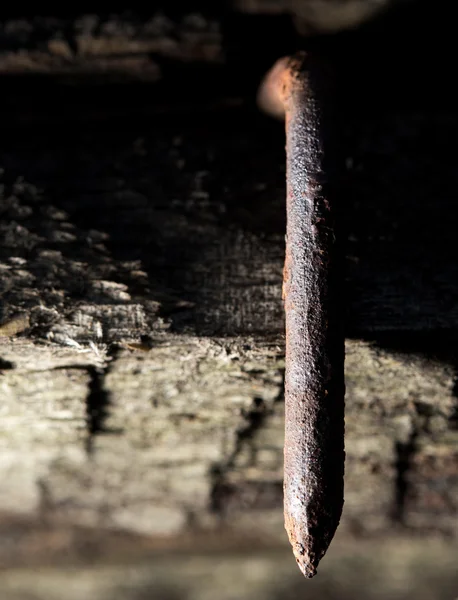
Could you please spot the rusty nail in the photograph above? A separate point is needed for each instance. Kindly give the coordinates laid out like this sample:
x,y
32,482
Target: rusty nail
x,y
314,453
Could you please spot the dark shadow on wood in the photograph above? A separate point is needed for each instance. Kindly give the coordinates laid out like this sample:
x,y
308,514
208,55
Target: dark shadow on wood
x,y
197,195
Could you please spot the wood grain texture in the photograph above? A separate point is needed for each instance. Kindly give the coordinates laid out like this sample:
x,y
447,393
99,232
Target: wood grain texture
x,y
142,409
194,428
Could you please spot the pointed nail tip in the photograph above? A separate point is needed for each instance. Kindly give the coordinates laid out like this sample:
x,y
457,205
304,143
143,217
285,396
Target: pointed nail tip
x,y
307,566
308,570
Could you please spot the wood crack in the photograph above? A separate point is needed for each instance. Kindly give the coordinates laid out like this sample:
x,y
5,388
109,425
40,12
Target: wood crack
x,y
405,452
221,489
98,403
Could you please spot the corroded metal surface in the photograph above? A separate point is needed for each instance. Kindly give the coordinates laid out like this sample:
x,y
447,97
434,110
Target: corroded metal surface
x,y
314,384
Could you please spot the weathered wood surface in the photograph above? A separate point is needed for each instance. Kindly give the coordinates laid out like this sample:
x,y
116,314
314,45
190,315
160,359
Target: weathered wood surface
x,y
130,42
122,45
189,439
142,243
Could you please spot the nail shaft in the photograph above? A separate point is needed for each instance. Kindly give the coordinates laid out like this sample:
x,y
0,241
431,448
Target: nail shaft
x,y
314,379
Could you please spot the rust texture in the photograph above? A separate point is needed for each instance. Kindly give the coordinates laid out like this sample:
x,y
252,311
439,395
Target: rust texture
x,y
314,379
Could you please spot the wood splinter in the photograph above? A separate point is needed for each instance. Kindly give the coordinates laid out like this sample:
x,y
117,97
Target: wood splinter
x,y
314,456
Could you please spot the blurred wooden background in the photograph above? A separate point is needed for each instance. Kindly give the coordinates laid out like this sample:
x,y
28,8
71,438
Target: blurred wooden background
x,y
141,327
